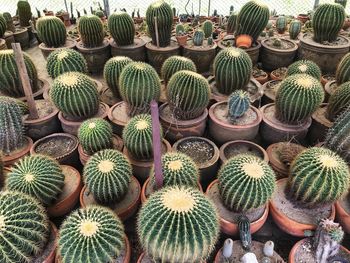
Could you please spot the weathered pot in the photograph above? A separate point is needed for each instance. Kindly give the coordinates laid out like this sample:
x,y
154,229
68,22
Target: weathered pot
x,y
330,88
262,79
49,251
17,154
202,56
3,45
46,51
182,40
157,56
136,51
270,88
9,38
303,18
275,76
21,36
320,125
119,117
343,212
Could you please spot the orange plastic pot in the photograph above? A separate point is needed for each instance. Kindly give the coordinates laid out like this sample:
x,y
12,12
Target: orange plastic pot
x,y
244,41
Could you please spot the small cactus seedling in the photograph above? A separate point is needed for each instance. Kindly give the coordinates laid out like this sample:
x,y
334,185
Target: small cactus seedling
x,y
277,42
304,67
179,29
244,232
208,28
174,64
237,105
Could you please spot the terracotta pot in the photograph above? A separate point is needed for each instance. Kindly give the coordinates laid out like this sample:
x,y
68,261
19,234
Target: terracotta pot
x,y
46,51
49,256
342,215
320,125
182,40
262,79
136,51
119,117
14,156
222,131
43,85
244,41
303,18
275,76
270,89
143,258
325,80
107,97
69,197
9,38
21,36
157,55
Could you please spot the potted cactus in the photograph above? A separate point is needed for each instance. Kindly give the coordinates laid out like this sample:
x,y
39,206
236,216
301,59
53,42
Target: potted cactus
x,y
231,23
281,24
294,30
181,35
304,67
25,16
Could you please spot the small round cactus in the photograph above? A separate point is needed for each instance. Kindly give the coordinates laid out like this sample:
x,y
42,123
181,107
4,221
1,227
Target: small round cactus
x,y
281,24
91,234
162,236
179,29
24,13
3,25
294,29
231,23
237,105
208,28
318,176
198,37
338,101
122,28
174,64
188,94
37,175
107,175
65,60
95,134
343,70
51,31
304,67
91,31
243,175
99,13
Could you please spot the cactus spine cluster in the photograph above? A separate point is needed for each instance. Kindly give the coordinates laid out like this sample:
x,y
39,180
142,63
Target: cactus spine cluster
x,y
3,25
237,105
338,101
294,29
91,31
75,94
318,176
24,13
122,29
241,176
65,60
91,234
343,70
164,239
208,28
198,37
24,227
304,67
95,134
51,31
297,98
10,83
37,175
174,64
112,70
188,94
327,21
231,23
281,24
164,14
232,70
139,84
107,175
252,19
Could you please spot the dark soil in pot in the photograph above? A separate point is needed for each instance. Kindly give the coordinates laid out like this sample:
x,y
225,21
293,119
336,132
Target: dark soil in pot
x,y
49,252
285,45
270,88
199,150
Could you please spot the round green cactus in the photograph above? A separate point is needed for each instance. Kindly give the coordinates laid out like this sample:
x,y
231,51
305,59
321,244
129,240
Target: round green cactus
x,y
174,64
237,105
95,134
297,98
188,94
99,13
208,28
232,70
112,70
281,24
91,234
91,31
338,101
294,29
65,60
75,94
231,23
37,175
24,227
9,23
24,12
139,84
318,176
179,29
10,83
3,25
243,175
304,67
161,235
198,37
343,70
107,175
51,31
122,28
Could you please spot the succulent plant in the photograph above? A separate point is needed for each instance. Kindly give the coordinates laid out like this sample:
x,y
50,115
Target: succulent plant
x,y
51,31
281,24
318,176
304,67
107,175
232,70
112,70
179,29
122,28
9,23
297,98
210,41
75,94
174,64
327,22
338,101
277,42
24,227
237,105
3,25
231,23
271,32
198,37
252,19
208,28
343,70
65,60
294,29
164,239
139,84
10,83
164,14
241,176
91,31
37,175
24,13
188,94
99,13
244,232
91,234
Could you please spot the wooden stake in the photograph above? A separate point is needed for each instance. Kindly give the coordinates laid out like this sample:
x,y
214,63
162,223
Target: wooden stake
x,y
156,28
23,74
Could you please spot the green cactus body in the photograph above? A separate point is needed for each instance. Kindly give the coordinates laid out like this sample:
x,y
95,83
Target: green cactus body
x,y
240,177
10,83
164,14
9,23
75,94
99,13
244,232
294,29
37,175
95,134
327,21
24,227
24,12
91,31
232,23
179,29
65,60
165,239
188,94
304,67
232,70
281,24
297,98
3,25
91,234
122,28
208,28
198,37
338,101
139,84
174,64
237,105
210,41
318,176
12,135
343,70
252,19
107,175
51,31
112,70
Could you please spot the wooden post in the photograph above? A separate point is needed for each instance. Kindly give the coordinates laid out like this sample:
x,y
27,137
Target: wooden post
x,y
156,28
23,74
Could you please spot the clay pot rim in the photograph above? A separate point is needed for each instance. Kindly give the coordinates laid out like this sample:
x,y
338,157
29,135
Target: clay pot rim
x,y
10,158
274,76
200,48
140,43
43,85
42,119
173,46
272,160
314,44
246,36
80,46
70,43
111,110
290,50
315,117
142,255
328,85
